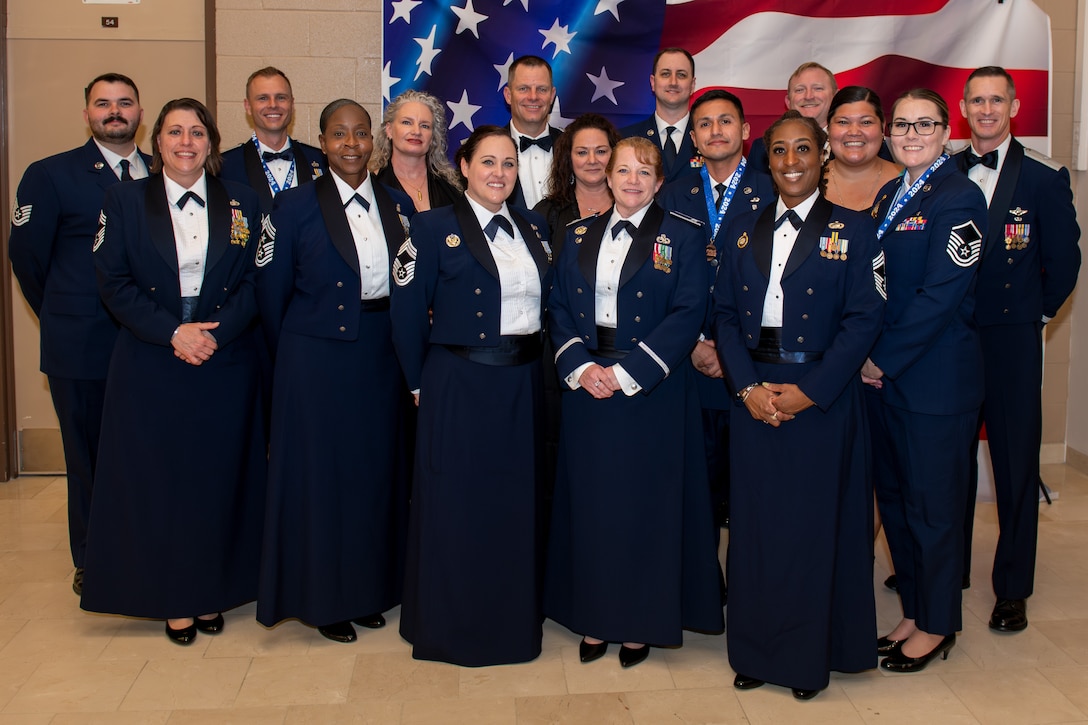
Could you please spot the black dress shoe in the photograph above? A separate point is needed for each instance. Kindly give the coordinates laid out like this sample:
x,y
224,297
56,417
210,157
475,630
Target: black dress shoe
x,y
899,662
210,626
800,694
885,646
966,584
892,583
744,682
183,636
77,581
371,621
338,632
1010,615
631,656
588,652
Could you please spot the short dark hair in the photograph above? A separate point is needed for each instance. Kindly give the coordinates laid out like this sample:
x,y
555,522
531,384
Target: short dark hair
x,y
110,78
215,157
268,72
856,94
560,187
718,94
468,148
672,49
991,71
335,106
924,94
529,61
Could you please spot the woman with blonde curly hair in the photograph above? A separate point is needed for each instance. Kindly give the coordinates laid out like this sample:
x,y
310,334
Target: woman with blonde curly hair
x,y
410,152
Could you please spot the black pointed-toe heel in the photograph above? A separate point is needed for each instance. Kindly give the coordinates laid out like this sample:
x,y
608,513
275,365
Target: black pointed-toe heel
x,y
631,656
588,652
899,662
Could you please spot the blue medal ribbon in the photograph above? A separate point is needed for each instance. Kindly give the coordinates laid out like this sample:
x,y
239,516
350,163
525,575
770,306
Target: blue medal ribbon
x,y
903,200
717,214
268,173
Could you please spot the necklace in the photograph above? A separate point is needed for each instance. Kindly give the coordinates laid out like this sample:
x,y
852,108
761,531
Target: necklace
x,y
419,189
838,191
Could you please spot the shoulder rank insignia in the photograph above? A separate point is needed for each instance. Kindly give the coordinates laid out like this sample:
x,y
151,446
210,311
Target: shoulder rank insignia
x,y
235,202
453,241
267,247
836,226
742,241
663,254
964,244
689,219
100,235
404,264
20,215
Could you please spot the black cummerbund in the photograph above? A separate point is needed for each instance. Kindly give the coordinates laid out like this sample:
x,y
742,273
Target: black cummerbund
x,y
378,304
511,350
770,349
606,344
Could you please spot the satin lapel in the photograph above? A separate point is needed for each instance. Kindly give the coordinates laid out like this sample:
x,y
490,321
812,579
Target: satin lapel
x,y
96,165
762,241
590,249
808,236
643,242
473,237
389,214
999,204
532,239
159,223
255,174
304,172
336,221
219,221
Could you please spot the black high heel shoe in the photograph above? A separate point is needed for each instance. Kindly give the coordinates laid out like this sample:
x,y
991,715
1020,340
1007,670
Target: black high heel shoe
x,y
631,656
899,662
886,646
588,652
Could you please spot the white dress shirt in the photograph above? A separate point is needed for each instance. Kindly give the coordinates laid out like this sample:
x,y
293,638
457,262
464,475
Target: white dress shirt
x,y
784,238
681,127
984,176
519,280
137,169
534,165
280,168
190,233
369,237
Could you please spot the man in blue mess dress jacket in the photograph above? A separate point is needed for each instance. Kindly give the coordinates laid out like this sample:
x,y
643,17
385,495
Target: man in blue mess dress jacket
x,y
177,437
800,551
672,82
710,195
54,220
1029,266
472,585
338,466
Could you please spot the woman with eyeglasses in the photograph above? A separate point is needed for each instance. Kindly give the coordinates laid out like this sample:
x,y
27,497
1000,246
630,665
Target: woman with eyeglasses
x,y
927,366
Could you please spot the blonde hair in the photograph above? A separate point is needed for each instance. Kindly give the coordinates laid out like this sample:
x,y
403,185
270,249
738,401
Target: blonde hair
x,y
438,162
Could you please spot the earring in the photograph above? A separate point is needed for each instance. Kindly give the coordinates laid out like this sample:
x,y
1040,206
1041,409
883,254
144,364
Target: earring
x,y
572,179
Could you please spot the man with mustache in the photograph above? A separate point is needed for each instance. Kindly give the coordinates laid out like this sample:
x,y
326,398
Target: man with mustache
x,y
271,160
672,82
53,224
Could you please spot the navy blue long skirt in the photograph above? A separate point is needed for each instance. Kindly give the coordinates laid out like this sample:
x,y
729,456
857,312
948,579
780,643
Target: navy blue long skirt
x,y
801,597
338,478
471,594
632,554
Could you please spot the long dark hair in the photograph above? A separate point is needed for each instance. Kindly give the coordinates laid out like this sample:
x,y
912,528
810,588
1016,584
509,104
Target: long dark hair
x,y
560,188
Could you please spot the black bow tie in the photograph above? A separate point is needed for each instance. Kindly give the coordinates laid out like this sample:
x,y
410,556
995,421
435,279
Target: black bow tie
x,y
362,202
621,225
544,142
287,155
498,222
987,159
186,197
791,216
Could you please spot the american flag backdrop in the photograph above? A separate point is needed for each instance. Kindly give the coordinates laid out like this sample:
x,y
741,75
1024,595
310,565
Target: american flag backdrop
x,y
601,52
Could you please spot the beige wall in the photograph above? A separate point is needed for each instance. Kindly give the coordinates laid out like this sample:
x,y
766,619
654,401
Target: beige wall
x,y
54,49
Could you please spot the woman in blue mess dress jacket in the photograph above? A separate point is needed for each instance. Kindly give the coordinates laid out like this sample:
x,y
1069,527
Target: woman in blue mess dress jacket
x,y
632,555
472,285
796,310
338,461
176,516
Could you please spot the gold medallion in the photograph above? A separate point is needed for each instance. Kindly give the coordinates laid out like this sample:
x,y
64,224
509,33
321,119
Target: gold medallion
x,y
453,241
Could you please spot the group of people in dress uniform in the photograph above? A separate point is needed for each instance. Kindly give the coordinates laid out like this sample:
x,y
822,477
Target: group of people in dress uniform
x,y
537,381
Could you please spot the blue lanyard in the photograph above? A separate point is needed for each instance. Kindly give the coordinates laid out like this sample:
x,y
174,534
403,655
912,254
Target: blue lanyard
x,y
903,200
717,214
268,174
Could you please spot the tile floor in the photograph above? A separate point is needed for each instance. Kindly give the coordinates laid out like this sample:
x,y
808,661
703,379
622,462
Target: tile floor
x,y
62,666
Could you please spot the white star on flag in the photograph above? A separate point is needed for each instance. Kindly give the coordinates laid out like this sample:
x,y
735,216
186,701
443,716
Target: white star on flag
x,y
559,35
556,118
388,80
603,86
469,19
462,112
402,9
612,6
524,4
427,53
503,69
